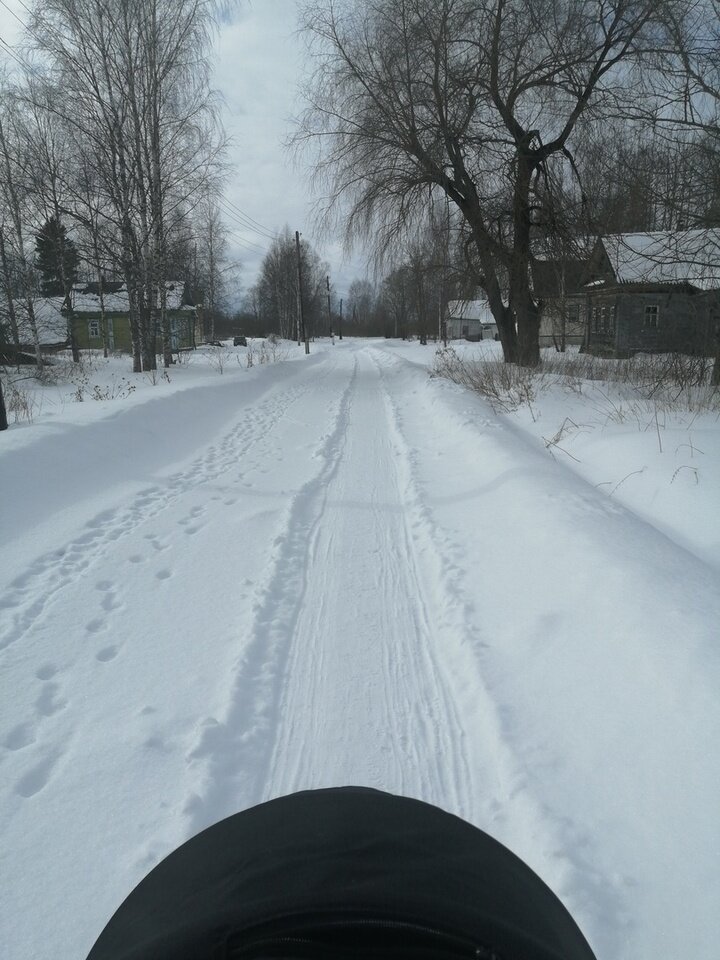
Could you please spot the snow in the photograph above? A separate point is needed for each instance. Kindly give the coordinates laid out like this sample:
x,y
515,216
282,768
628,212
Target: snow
x,y
338,570
118,301
691,256
50,323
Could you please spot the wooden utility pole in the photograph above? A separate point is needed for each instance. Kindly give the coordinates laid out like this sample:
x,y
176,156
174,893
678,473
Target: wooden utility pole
x,y
340,321
301,315
327,281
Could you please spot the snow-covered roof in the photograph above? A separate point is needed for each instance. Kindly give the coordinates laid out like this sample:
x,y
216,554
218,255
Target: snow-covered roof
x,y
691,256
51,324
470,310
118,302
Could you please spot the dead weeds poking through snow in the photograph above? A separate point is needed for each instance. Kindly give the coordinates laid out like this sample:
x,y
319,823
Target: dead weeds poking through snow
x,y
646,386
19,402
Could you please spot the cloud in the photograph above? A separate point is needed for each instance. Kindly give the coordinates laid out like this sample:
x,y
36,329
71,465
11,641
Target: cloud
x,y
260,63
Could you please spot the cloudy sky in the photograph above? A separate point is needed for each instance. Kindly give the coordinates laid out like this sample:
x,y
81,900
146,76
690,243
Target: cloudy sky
x,y
259,62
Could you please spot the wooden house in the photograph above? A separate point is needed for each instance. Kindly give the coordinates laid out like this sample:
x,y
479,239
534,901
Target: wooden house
x,y
556,285
652,293
470,320
88,317
52,324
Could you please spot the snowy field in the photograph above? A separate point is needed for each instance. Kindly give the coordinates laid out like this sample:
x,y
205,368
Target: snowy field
x,y
336,569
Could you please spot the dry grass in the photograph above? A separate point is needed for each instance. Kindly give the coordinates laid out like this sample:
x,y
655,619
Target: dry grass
x,y
666,382
19,402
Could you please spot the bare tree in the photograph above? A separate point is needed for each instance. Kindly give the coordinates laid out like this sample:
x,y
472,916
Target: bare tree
x,y
212,247
689,101
135,92
276,290
13,189
474,98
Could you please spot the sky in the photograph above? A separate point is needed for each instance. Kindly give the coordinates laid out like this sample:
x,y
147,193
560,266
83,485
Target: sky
x,y
259,61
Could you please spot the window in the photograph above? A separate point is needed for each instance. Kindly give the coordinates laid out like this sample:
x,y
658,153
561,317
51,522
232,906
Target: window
x,y
612,313
94,329
596,318
651,316
603,318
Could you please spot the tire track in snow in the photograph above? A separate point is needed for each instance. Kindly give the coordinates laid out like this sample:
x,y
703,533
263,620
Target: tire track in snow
x,y
32,591
365,701
455,624
235,752
502,802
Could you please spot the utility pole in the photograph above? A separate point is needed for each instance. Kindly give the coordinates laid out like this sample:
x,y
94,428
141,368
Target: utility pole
x,y
327,281
301,316
340,321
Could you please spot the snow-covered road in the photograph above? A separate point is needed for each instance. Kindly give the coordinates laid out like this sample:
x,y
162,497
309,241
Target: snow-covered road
x,y
339,571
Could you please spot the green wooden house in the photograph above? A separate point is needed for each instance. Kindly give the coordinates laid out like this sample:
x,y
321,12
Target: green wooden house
x,y
88,317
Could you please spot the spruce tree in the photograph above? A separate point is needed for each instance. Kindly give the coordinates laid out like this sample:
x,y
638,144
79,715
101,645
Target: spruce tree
x,y
57,259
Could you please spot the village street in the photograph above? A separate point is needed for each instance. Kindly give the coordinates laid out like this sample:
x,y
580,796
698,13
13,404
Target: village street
x,y
341,571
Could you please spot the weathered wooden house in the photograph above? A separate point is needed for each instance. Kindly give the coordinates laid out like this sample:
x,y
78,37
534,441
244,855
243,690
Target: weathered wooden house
x,y
557,282
470,320
652,293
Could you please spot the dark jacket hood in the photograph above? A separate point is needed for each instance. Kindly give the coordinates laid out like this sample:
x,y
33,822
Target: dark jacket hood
x,y
349,859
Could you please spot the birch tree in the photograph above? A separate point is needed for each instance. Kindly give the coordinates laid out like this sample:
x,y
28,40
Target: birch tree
x,y
135,91
13,191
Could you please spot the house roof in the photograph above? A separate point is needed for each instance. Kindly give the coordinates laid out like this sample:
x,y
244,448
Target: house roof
x,y
86,299
680,256
51,324
109,286
470,310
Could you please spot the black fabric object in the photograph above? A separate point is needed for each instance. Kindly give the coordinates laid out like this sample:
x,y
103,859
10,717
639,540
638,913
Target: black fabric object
x,y
347,872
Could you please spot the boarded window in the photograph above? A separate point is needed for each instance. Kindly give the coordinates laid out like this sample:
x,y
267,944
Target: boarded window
x,y
94,329
651,316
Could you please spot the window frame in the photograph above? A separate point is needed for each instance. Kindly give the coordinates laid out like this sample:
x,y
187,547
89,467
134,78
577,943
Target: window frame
x,y
651,316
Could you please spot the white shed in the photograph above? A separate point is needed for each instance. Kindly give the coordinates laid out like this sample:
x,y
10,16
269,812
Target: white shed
x,y
470,320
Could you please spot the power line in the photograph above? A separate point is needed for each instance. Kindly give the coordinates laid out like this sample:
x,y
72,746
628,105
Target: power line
x,y
244,226
12,12
236,220
246,216
10,51
246,243
26,7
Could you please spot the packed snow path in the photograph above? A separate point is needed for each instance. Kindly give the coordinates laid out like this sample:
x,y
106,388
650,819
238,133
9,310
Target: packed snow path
x,y
340,572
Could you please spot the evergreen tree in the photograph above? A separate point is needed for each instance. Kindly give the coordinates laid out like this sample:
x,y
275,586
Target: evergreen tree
x,y
57,259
